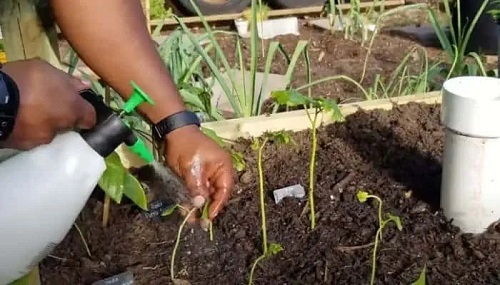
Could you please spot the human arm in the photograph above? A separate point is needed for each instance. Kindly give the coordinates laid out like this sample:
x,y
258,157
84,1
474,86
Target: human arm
x,y
112,38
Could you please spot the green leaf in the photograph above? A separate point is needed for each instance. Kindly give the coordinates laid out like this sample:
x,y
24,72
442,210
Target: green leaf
x,y
396,220
255,144
330,106
213,135
291,98
113,178
281,137
135,192
204,213
170,210
238,160
28,279
362,196
422,277
274,248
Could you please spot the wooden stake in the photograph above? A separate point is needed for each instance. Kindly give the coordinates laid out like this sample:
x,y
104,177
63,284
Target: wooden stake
x,y
26,35
107,199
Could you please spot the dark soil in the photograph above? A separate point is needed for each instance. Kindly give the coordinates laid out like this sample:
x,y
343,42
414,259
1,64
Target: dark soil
x,y
395,155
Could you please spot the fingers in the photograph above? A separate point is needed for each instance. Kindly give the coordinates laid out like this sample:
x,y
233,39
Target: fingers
x,y
86,115
196,182
85,112
223,184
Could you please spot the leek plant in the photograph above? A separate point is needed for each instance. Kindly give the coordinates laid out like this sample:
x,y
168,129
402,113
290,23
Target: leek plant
x,y
378,26
456,43
403,81
245,102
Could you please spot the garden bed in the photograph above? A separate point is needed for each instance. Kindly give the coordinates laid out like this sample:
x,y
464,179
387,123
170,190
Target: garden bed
x,y
393,154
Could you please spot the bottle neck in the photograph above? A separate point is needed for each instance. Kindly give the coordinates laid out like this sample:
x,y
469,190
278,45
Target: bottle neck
x,y
109,132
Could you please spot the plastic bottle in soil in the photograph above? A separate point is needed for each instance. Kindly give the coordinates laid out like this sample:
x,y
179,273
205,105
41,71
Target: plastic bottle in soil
x,y
45,189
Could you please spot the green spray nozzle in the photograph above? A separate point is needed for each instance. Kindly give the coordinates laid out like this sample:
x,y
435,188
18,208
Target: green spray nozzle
x,y
136,144
138,97
139,147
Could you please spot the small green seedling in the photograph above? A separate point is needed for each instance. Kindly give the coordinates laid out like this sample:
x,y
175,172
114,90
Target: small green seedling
x,y
204,217
176,246
274,248
292,98
258,145
116,181
421,279
363,197
170,210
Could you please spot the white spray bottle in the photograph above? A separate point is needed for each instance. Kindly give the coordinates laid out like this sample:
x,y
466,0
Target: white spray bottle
x,y
43,190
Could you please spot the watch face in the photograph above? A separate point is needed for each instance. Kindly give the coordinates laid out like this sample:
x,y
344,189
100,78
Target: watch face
x,y
4,93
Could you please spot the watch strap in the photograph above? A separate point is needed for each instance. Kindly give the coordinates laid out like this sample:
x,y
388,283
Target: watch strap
x,y
173,122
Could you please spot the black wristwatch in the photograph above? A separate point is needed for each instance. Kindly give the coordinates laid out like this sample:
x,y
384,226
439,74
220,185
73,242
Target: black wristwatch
x,y
9,105
173,122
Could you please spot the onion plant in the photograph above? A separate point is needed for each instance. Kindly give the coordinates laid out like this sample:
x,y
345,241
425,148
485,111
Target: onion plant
x,y
245,102
455,45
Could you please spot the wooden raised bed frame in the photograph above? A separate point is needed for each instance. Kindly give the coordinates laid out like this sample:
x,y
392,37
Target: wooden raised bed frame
x,y
290,121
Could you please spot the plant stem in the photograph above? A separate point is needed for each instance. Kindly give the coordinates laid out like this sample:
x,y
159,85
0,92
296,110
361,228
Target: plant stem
x,y
210,232
380,221
311,170
83,240
176,246
105,210
261,190
378,237
250,281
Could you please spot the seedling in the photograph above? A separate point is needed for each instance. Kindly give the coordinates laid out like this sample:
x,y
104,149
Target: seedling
x,y
363,197
292,98
421,279
116,181
176,246
258,145
274,248
206,221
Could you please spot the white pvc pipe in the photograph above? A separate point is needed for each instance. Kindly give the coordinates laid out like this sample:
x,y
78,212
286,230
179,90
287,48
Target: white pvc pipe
x,y
470,189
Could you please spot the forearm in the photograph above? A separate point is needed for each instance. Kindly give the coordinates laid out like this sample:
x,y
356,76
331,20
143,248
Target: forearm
x,y
112,38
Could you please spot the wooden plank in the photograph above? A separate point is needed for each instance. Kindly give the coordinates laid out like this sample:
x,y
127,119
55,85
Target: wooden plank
x,y
298,120
272,13
146,6
25,36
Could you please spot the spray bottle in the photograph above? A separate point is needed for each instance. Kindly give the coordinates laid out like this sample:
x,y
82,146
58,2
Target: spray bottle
x,y
44,189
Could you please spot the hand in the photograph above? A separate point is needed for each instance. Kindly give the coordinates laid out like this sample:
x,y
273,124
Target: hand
x,y
49,103
206,168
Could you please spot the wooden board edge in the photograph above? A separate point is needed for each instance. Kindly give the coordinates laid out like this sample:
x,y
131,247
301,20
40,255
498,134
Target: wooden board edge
x,y
272,13
298,120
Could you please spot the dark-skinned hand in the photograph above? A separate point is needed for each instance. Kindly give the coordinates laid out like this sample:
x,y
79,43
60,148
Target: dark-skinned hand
x,y
206,168
49,104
